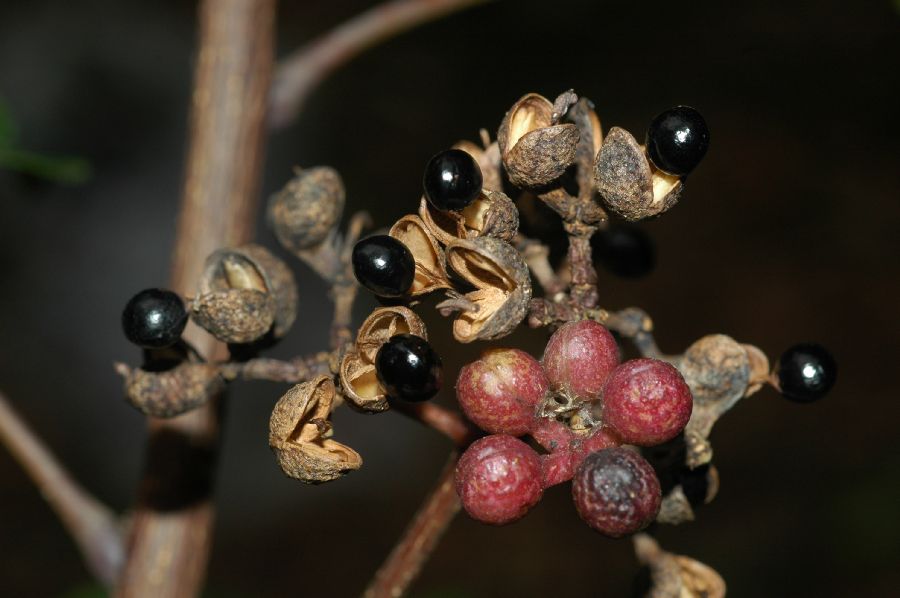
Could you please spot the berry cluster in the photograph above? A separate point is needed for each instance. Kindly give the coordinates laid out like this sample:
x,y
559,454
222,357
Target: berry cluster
x,y
580,404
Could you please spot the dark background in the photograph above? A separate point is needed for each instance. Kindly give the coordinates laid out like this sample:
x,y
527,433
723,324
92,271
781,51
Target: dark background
x,y
790,230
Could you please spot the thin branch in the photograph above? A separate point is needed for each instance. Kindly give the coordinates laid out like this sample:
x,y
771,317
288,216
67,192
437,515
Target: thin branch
x,y
172,523
449,423
299,74
92,525
420,538
294,371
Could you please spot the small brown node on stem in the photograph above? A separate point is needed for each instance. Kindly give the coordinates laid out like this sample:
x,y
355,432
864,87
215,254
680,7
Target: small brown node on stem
x,y
299,434
171,392
305,211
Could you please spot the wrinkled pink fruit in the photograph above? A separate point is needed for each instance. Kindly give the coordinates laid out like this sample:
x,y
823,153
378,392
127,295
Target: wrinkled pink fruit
x,y
500,391
616,492
646,402
579,357
551,434
498,479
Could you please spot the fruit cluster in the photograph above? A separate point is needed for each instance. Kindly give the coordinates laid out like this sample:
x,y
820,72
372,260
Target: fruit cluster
x,y
581,405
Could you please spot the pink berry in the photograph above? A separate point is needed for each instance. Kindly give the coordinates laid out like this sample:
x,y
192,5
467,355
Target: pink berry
x,y
579,357
552,434
646,402
616,492
500,391
498,479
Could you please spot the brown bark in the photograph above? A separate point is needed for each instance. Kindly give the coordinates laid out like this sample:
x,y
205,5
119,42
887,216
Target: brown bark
x,y
172,522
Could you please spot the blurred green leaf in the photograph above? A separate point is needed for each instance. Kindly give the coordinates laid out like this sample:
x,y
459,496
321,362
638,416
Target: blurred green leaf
x,y
63,169
7,126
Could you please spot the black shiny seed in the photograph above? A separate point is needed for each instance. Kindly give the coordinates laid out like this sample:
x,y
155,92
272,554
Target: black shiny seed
x,y
806,372
452,180
154,318
384,265
677,140
625,250
408,368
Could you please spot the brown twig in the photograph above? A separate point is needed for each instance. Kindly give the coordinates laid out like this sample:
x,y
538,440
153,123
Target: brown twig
x,y
449,423
92,525
172,525
420,538
294,371
302,71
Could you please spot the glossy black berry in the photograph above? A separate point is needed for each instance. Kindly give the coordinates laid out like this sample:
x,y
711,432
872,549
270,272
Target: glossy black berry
x,y
452,180
154,318
625,250
677,140
806,372
384,265
408,368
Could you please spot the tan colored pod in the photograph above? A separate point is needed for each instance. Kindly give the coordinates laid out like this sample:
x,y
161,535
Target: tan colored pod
x,y
236,315
308,208
431,268
502,288
300,434
492,214
253,266
629,184
357,372
535,150
171,392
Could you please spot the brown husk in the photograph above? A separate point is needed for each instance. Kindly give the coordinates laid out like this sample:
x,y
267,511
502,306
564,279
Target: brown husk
x,y
305,211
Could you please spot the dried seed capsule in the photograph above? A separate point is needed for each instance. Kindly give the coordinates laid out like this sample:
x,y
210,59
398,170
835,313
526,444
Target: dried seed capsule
x,y
430,262
717,368
306,210
616,492
630,186
300,434
502,283
244,292
171,392
535,150
357,372
492,214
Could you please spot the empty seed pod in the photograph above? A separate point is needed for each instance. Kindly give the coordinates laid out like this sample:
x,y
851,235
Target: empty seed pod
x,y
357,372
305,211
502,288
243,293
493,214
674,575
171,392
300,434
630,185
431,267
488,160
535,150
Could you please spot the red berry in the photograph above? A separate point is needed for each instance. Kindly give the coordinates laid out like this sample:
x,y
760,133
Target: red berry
x,y
646,402
552,434
558,467
579,357
498,479
500,391
616,492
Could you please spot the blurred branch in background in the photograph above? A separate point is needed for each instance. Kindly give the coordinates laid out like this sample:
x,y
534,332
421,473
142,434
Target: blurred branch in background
x,y
300,72
92,525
